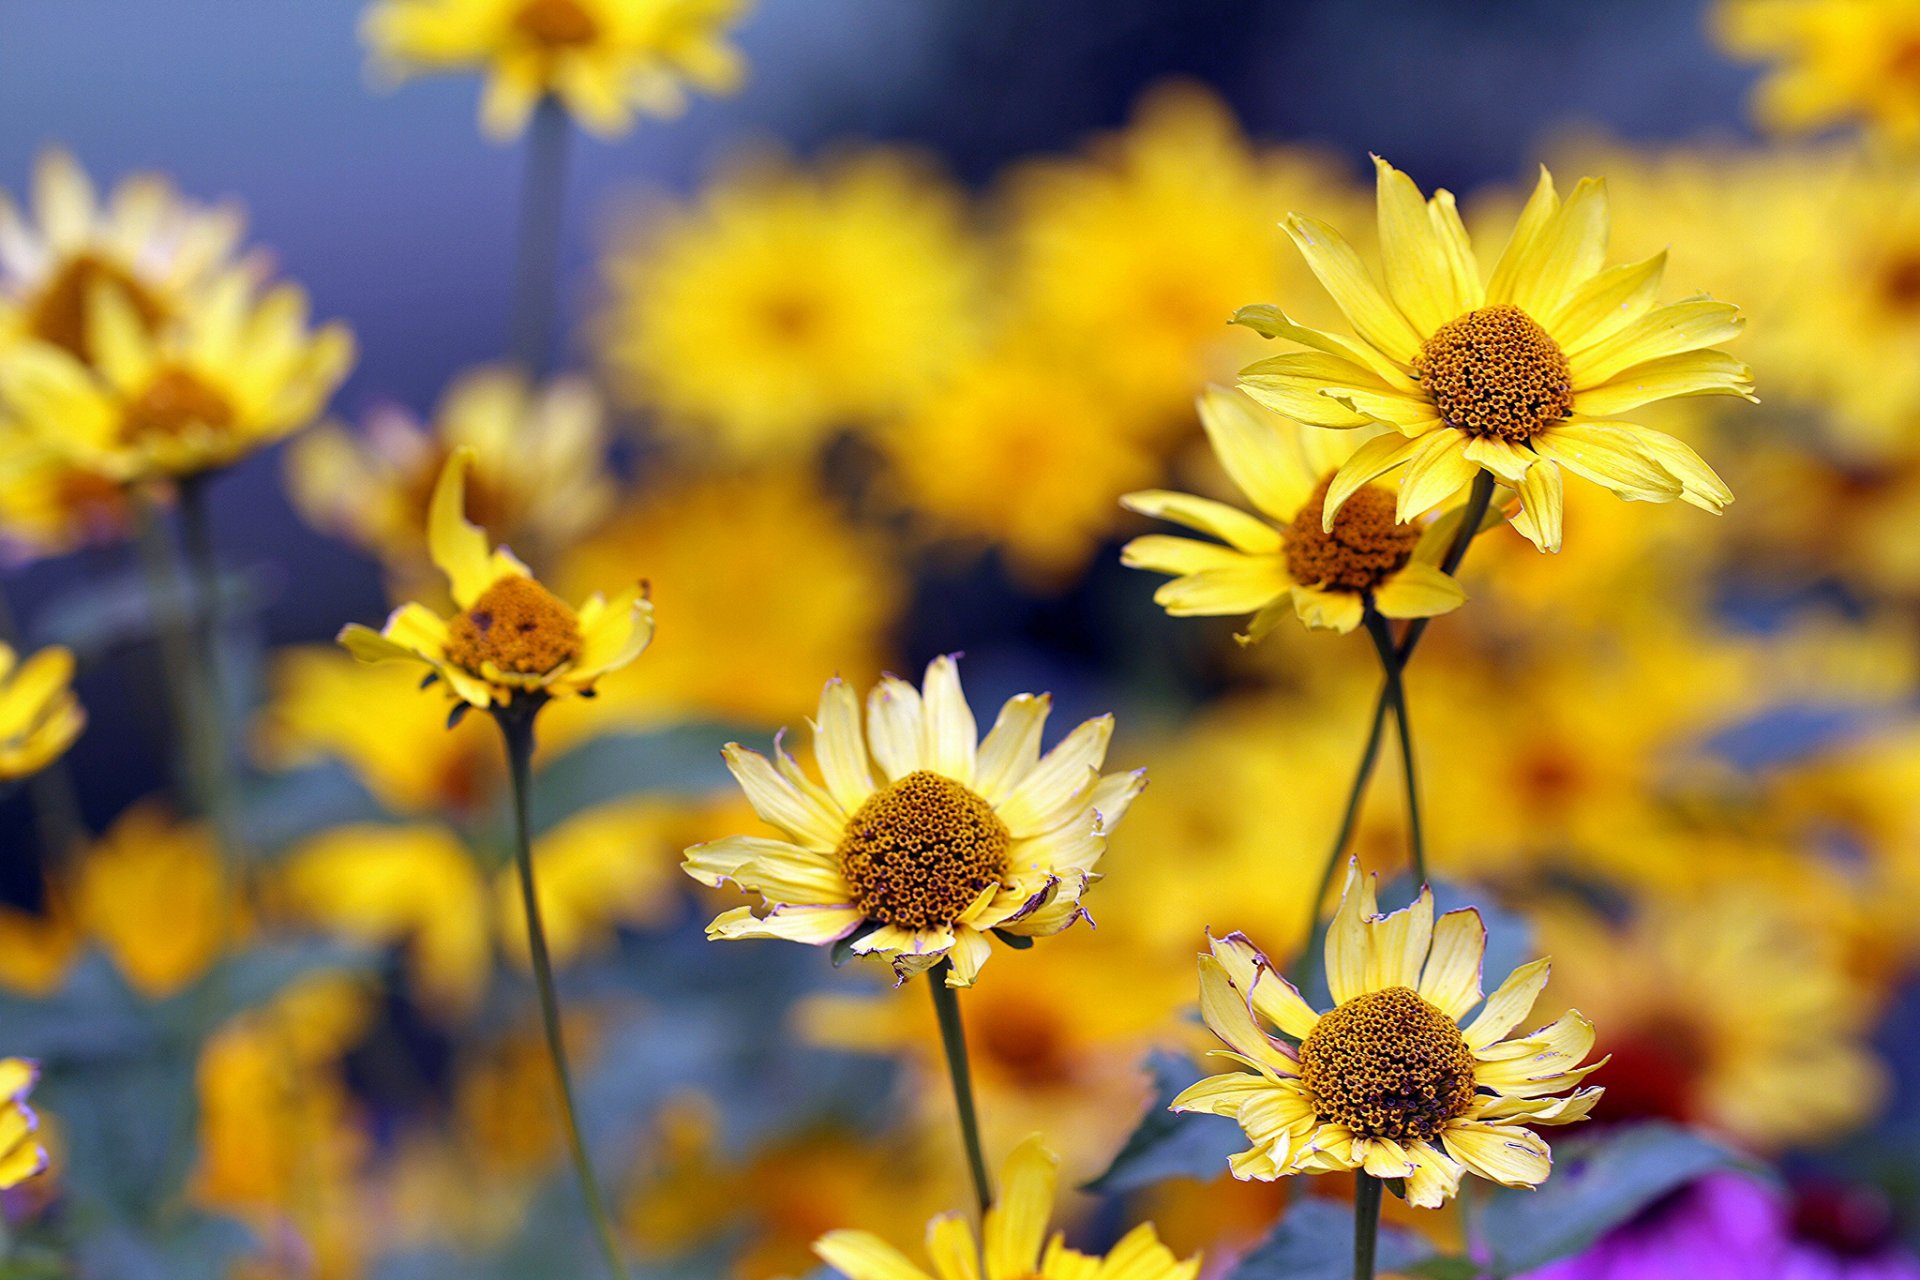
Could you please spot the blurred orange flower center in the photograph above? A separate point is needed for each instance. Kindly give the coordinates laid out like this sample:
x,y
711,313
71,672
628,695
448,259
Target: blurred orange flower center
x,y
556,24
1388,1065
518,626
59,313
1496,372
175,402
1363,547
920,850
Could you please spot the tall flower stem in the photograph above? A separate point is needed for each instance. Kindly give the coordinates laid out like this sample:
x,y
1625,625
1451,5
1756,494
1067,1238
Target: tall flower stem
x,y
1366,1224
516,729
542,217
1397,695
213,719
1479,498
953,1037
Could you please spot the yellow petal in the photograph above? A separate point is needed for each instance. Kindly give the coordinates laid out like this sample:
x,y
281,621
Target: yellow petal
x,y
840,747
1507,1005
952,737
1541,496
1345,277
1451,980
1418,590
861,1255
1251,446
1568,252
1612,457
1230,524
459,548
1016,1225
1419,273
1510,1156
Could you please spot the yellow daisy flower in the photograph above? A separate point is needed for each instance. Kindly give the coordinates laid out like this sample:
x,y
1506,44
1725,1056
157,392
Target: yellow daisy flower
x,y
51,505
958,837
512,637
39,716
145,239
152,894
1520,375
1390,1081
236,370
21,1156
604,60
1326,570
1833,62
1013,1242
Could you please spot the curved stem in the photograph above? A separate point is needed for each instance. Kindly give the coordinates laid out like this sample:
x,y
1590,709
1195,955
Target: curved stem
x,y
1366,1224
1397,695
516,727
537,260
953,1037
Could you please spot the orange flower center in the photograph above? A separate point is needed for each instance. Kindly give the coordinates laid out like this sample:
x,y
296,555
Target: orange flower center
x,y
518,626
556,24
59,313
1388,1065
920,850
175,402
1496,372
1359,552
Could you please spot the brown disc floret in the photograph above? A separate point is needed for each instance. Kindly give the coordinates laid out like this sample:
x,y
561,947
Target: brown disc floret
x,y
1364,546
921,849
1388,1065
1496,372
518,626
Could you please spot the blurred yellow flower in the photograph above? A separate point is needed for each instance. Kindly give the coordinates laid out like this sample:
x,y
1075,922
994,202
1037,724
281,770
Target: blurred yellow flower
x,y
1128,260
234,371
39,716
960,837
153,894
789,554
1023,454
1012,1244
1325,571
606,867
148,242
1521,375
21,1155
604,60
1390,1081
37,948
1832,62
50,504
790,304
538,482
511,637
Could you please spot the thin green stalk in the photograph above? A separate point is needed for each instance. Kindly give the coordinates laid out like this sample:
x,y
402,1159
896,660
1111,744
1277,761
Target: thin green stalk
x,y
1397,694
953,1037
537,260
1366,1223
203,575
169,604
516,728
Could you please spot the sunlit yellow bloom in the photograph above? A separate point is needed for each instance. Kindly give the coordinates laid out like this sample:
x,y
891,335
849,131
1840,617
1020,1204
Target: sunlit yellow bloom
x,y
21,1155
511,637
1522,374
37,948
1022,454
958,837
154,246
1325,571
50,504
1391,1081
604,60
234,371
152,893
1012,1244
1833,62
790,304
39,716
790,554
538,482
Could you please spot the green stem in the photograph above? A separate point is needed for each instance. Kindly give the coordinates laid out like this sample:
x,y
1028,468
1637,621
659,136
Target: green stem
x,y
1479,498
537,260
516,728
953,1037
203,575
1397,694
1366,1223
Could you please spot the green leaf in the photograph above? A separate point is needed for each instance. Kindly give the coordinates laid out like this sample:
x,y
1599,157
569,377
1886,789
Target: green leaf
x,y
1167,1145
1314,1241
1597,1184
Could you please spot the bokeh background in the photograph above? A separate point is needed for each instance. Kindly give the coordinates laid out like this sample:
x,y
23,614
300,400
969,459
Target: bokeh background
x,y
1679,756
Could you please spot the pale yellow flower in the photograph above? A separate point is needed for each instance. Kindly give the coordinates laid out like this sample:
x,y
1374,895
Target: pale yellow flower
x,y
1390,1081
512,638
957,838
1832,62
604,60
39,715
21,1155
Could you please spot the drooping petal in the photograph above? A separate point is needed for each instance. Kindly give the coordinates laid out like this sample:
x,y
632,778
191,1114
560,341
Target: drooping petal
x,y
1506,1154
1273,997
1418,590
1254,454
1612,457
1541,498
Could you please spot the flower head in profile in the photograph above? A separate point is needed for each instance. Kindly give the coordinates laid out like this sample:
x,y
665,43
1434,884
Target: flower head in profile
x,y
39,716
1523,374
1833,62
1013,1242
21,1155
236,369
604,60
1292,560
922,838
1391,1080
511,638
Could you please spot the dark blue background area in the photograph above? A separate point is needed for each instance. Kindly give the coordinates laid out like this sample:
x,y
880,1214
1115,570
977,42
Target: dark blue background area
x,y
399,217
